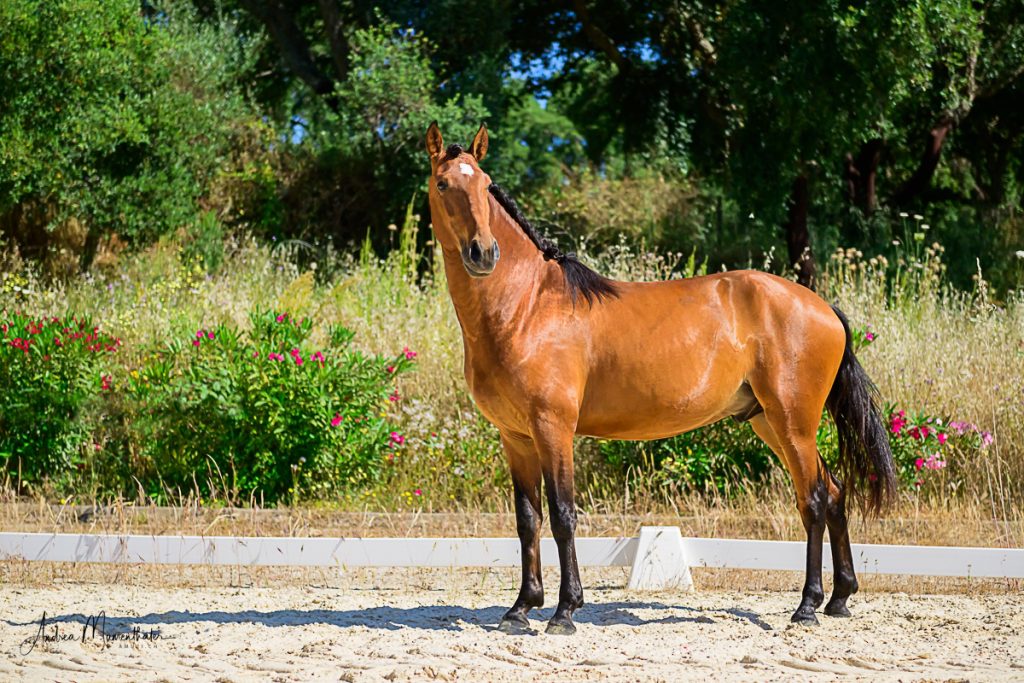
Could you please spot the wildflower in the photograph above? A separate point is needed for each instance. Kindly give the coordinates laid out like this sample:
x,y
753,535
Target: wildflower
x,y
195,342
869,336
394,397
1019,253
390,369
298,359
209,335
904,214
105,383
919,463
409,354
941,436
200,334
396,439
281,318
987,439
417,492
337,420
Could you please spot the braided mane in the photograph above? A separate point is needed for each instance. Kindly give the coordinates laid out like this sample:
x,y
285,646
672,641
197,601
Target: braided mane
x,y
578,278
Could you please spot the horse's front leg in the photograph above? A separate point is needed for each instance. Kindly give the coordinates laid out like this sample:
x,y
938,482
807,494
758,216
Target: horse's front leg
x,y
526,475
554,446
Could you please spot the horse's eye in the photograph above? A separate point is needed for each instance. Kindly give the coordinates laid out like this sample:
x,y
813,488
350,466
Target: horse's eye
x,y
441,186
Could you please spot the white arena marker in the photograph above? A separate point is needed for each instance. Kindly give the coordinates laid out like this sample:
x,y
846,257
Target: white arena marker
x,y
466,169
660,561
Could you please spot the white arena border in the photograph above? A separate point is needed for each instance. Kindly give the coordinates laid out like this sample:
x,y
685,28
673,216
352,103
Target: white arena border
x,y
660,557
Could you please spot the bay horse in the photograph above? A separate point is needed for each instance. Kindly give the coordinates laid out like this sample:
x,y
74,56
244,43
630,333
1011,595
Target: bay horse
x,y
552,349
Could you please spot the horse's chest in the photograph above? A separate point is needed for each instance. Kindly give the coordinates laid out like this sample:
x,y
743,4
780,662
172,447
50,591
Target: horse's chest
x,y
494,390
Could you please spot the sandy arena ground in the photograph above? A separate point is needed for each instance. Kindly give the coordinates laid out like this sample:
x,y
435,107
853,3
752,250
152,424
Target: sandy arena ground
x,y
408,626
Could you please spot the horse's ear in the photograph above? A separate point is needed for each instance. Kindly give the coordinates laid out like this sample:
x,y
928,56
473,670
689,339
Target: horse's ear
x,y
435,143
479,147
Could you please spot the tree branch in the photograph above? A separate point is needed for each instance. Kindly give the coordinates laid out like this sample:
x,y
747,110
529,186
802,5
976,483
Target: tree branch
x,y
293,46
335,28
599,38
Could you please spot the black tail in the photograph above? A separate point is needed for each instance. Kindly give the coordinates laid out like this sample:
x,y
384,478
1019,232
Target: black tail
x,y
865,458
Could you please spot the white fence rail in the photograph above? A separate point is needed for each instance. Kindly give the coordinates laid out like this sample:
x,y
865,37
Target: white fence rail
x,y
659,557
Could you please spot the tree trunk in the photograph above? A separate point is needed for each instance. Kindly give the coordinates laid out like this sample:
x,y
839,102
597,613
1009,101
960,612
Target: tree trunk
x,y
862,174
921,179
798,239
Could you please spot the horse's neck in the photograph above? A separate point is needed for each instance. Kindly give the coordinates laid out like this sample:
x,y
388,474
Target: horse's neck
x,y
494,305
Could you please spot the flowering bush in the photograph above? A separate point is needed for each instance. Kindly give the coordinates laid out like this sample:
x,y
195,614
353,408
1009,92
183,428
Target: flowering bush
x,y
267,413
52,370
922,445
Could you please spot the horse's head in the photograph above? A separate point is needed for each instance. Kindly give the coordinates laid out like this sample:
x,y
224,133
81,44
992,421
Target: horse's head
x,y
459,201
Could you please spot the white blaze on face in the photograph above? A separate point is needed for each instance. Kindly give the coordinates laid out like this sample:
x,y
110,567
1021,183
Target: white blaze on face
x,y
466,169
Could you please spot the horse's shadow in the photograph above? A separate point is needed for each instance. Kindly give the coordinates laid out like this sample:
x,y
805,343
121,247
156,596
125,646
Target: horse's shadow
x,y
430,617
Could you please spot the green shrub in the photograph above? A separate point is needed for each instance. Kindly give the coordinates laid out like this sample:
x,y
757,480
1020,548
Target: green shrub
x,y
52,371
717,457
266,413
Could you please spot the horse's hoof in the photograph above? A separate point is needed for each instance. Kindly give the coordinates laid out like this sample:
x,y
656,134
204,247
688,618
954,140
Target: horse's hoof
x,y
514,624
837,609
560,627
803,618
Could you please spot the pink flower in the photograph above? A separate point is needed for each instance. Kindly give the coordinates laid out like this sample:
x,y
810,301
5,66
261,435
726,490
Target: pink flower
x,y
919,463
397,439
195,342
281,317
942,438
417,492
869,336
105,383
987,439
255,354
298,359
336,421
925,431
200,334
209,335
409,354
394,397
915,433
318,358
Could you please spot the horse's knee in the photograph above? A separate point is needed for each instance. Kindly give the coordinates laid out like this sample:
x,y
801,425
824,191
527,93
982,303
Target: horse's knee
x,y
563,520
813,505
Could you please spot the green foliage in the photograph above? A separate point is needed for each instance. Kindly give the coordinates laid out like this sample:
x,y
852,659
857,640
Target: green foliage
x,y
111,119
721,457
263,413
52,376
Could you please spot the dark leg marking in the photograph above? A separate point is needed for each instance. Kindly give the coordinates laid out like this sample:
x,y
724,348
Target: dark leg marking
x,y
842,555
562,509
531,591
813,516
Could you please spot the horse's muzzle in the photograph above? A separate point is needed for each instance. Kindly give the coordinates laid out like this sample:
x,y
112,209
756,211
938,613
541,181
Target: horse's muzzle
x,y
480,262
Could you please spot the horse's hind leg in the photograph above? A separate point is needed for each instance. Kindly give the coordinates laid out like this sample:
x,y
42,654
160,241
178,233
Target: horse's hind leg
x,y
845,583
796,447
526,476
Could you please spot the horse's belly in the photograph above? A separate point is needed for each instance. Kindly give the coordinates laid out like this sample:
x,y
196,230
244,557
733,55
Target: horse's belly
x,y
640,407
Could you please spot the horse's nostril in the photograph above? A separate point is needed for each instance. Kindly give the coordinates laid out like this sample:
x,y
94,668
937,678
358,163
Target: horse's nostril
x,y
475,254
497,251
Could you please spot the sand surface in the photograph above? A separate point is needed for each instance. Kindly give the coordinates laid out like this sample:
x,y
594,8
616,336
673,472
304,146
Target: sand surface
x,y
405,626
